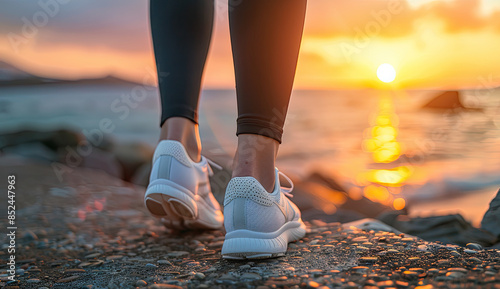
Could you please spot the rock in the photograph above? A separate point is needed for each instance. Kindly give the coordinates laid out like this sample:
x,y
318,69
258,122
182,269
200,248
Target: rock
x,y
68,279
474,246
447,229
164,262
410,275
177,254
447,100
250,276
54,140
318,189
199,276
228,277
104,161
474,260
149,265
33,280
423,248
455,275
132,156
491,218
367,260
114,257
141,283
93,255
164,286
29,236
312,284
360,269
461,270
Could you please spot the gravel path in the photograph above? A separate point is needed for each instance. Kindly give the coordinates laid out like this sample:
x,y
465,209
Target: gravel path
x,y
91,231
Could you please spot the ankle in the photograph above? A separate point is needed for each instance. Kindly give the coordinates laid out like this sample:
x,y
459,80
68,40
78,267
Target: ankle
x,y
255,157
184,131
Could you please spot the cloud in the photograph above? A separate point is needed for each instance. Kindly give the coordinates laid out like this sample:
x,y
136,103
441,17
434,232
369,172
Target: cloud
x,y
345,18
115,24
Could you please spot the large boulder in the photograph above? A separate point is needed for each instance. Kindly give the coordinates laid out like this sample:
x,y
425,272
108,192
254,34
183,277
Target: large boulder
x,y
448,100
324,197
447,229
491,219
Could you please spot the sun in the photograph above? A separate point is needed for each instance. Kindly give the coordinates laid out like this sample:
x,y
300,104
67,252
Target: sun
x,y
386,72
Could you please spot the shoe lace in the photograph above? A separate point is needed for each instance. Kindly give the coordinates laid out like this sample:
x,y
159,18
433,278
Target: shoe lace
x,y
212,165
287,191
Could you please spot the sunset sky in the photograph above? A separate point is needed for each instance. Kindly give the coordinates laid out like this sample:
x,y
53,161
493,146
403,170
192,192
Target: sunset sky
x,y
431,44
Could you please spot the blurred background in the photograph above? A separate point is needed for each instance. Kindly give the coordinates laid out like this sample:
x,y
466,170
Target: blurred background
x,y
395,101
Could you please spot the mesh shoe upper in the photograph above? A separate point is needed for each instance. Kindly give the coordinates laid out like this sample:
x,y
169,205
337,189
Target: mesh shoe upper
x,y
247,205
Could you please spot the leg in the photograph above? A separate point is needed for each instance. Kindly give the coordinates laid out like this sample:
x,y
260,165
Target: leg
x,y
179,192
181,32
265,37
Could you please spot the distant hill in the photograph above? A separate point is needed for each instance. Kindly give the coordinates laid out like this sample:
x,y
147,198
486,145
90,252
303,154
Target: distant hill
x,y
13,76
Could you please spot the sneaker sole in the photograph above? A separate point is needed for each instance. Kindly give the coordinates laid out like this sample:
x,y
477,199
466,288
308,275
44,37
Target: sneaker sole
x,y
246,244
173,205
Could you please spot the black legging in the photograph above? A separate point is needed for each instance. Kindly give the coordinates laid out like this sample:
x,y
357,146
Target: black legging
x,y
265,38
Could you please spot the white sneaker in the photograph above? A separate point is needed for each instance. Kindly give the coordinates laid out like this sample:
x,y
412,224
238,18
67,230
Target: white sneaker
x,y
259,224
179,191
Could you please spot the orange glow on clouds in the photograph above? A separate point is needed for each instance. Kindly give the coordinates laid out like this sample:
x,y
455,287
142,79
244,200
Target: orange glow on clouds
x,y
431,44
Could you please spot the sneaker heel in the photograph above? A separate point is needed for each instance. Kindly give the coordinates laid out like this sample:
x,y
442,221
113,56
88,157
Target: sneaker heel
x,y
182,210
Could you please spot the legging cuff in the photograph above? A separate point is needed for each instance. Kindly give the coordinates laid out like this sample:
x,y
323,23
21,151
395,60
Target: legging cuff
x,y
178,111
259,127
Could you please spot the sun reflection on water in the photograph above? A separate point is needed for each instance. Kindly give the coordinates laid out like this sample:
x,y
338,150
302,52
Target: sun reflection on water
x,y
381,141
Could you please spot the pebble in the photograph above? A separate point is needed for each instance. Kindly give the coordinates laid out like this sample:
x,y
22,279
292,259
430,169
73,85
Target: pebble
x,y
176,254
149,265
469,251
94,255
455,275
199,276
164,262
360,269
33,280
474,246
228,276
114,257
455,254
68,279
164,286
359,240
428,286
410,274
461,270
423,248
312,284
250,276
432,271
418,270
366,260
141,283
